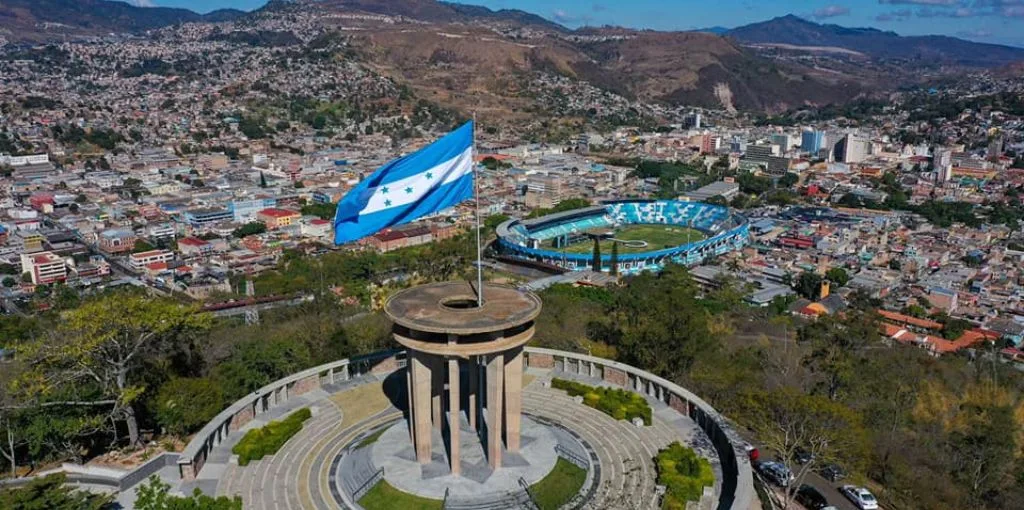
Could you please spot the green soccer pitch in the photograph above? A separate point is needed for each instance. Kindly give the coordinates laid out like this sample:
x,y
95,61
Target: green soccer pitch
x,y
658,237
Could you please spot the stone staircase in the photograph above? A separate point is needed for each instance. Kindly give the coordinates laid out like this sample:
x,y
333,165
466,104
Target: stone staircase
x,y
356,468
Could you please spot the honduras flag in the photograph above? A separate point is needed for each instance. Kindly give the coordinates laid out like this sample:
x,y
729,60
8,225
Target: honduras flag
x,y
431,179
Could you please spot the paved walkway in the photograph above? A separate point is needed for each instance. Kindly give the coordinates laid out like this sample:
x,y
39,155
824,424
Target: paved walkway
x,y
299,475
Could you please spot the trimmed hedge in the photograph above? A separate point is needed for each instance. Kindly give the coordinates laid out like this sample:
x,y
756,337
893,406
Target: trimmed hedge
x,y
684,475
267,440
617,403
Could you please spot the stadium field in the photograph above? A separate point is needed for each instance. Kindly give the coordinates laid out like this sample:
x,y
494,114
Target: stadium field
x,y
657,236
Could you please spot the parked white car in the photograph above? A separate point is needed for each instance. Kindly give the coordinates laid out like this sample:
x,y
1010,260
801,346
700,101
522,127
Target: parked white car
x,y
860,497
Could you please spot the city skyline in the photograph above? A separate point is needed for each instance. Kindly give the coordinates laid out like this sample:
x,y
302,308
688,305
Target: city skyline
x,y
991,21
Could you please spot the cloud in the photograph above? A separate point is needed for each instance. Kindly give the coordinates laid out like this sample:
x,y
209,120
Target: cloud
x,y
975,34
959,8
899,15
562,17
831,11
597,7
141,3
567,18
961,12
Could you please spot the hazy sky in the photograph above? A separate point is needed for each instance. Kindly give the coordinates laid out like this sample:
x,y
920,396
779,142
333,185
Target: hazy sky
x,y
997,21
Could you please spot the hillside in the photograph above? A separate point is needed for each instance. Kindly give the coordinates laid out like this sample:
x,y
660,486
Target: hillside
x,y
43,20
796,31
505,61
462,60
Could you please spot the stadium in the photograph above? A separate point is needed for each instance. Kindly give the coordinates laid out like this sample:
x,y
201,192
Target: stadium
x,y
648,233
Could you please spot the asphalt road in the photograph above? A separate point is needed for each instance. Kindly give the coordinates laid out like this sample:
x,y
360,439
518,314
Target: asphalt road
x,y
826,488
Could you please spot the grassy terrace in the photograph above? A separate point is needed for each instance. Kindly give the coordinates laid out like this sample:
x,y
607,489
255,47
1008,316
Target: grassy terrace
x,y
657,236
385,497
561,484
553,491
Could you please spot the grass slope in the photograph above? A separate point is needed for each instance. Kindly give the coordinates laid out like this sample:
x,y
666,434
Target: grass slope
x,y
385,497
559,486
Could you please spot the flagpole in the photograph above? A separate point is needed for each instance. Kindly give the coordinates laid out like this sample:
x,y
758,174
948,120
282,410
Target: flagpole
x,y
479,250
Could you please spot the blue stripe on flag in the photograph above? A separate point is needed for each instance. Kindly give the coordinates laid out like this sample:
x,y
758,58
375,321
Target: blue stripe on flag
x,y
350,222
442,198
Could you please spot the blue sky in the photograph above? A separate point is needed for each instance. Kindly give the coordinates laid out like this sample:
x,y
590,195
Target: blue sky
x,y
996,21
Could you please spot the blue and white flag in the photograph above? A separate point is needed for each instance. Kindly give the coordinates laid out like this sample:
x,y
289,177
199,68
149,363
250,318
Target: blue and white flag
x,y
429,180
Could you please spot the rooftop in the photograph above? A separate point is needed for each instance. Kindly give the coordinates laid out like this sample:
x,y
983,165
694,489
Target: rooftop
x,y
278,213
450,307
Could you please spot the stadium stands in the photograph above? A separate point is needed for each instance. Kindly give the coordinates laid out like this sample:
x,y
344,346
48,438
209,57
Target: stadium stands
x,y
726,231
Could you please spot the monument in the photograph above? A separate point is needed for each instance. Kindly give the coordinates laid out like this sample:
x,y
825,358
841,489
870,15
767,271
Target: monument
x,y
447,334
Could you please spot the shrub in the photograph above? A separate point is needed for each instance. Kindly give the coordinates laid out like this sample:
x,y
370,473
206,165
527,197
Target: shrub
x,y
267,440
617,403
684,475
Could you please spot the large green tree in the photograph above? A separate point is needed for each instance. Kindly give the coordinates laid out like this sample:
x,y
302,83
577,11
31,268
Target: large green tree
x,y
657,323
50,493
98,355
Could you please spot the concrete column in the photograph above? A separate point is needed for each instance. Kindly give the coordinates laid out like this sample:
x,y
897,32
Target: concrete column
x,y
408,394
454,417
495,408
420,414
513,397
474,388
437,373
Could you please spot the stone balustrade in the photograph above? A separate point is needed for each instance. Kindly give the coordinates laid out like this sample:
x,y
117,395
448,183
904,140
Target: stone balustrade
x,y
737,485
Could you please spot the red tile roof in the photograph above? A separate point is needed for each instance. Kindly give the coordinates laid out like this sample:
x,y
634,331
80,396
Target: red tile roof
x,y
278,213
907,319
193,241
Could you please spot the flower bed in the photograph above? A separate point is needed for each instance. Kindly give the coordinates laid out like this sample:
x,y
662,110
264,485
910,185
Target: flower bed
x,y
617,403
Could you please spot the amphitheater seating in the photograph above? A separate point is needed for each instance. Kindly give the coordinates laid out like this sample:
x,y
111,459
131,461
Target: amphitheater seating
x,y
357,468
581,225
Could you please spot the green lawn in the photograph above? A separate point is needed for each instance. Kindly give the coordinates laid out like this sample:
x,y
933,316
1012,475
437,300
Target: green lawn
x,y
658,237
372,438
385,497
561,484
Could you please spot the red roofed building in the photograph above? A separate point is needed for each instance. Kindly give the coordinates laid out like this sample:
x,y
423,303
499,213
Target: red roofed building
x,y
194,247
275,218
316,227
402,237
910,322
45,267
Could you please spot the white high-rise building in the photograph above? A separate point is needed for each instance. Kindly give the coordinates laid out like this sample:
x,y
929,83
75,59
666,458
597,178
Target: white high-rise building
x,y
943,163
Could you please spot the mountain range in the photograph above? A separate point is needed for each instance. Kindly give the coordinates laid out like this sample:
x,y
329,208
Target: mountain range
x,y
466,56
41,20
45,20
795,31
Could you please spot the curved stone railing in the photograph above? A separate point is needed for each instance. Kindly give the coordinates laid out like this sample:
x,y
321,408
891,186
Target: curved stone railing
x,y
737,475
737,483
274,394
100,477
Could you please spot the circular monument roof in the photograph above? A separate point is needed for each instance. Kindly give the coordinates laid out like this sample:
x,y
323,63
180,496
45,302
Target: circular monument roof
x,y
450,307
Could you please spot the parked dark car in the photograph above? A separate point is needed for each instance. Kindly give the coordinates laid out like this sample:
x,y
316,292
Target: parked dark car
x,y
833,472
810,498
775,472
801,456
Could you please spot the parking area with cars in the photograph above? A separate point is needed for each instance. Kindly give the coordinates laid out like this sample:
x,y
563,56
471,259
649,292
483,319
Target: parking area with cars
x,y
824,488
